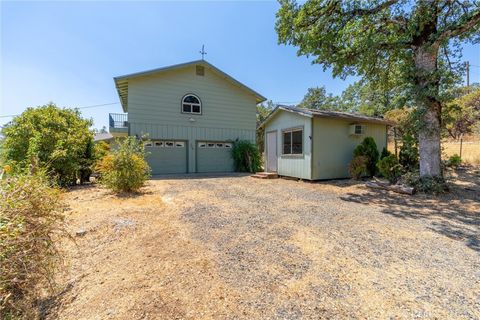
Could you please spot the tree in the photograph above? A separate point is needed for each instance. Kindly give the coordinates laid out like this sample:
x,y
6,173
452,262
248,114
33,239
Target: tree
x,y
317,98
263,110
411,42
366,98
460,116
58,140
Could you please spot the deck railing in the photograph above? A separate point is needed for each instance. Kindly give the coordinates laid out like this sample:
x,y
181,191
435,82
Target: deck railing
x,y
118,120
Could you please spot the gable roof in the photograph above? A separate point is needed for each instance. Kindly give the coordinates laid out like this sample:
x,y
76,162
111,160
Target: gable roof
x,y
121,82
313,113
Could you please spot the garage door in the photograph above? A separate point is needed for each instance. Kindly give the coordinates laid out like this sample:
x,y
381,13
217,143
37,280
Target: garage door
x,y
167,156
214,156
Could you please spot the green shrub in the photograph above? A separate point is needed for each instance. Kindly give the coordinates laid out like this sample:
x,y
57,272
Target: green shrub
x,y
358,167
30,217
246,157
425,184
59,139
408,155
390,168
454,161
125,169
100,150
368,148
385,153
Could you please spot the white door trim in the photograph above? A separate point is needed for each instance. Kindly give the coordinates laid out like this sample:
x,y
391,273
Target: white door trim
x,y
272,152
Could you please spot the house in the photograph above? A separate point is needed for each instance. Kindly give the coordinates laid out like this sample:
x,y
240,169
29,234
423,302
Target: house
x,y
191,112
314,144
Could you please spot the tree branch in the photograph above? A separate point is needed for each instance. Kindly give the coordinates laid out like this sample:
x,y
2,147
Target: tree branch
x,y
458,29
364,12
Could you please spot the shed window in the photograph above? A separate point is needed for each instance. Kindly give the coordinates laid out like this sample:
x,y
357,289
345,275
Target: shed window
x,y
191,104
293,141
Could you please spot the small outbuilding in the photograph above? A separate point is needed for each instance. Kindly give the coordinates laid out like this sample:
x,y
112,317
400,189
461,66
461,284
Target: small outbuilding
x,y
316,144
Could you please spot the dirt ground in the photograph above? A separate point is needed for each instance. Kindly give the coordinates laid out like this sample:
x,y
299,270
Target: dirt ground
x,y
243,248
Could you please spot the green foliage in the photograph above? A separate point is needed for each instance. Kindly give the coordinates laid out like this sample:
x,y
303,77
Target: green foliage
x,y
317,98
462,115
263,110
385,153
408,155
246,156
454,161
427,185
125,169
390,168
404,121
368,148
31,215
358,167
100,150
59,139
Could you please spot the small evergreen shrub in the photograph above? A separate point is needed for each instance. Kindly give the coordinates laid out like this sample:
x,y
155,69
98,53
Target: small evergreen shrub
x,y
125,169
246,157
385,153
368,149
358,167
390,168
31,217
454,161
408,155
427,185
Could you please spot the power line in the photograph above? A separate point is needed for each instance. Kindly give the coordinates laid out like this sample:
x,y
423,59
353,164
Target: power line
x,y
84,107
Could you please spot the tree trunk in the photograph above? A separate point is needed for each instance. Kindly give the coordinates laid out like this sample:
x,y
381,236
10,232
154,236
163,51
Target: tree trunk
x,y
425,59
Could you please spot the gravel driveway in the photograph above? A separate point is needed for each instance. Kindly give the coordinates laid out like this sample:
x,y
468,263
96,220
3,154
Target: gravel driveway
x,y
238,247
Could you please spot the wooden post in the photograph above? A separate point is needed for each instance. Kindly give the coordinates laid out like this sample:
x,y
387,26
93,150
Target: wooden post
x,y
461,144
395,140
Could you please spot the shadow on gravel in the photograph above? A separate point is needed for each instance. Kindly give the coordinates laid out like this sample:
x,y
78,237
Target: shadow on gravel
x,y
184,176
440,213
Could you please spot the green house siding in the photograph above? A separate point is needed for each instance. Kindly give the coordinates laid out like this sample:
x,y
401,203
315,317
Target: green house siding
x,y
154,109
292,165
333,146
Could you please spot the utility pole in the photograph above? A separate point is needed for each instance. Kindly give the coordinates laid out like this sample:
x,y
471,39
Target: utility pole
x,y
467,68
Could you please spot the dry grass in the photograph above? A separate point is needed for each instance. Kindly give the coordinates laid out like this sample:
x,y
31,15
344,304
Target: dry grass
x,y
470,150
243,248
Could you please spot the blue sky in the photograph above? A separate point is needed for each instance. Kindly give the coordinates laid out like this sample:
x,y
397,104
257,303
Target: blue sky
x,y
68,52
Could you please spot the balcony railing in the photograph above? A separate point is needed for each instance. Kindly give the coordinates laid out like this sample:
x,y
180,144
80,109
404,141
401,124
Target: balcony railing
x,y
118,120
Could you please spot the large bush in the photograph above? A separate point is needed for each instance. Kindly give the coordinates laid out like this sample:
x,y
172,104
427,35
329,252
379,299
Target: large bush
x,y
368,149
390,168
125,169
30,217
59,139
246,156
358,167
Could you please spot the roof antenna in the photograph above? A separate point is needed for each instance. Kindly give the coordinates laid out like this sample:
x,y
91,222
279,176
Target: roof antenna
x,y
203,51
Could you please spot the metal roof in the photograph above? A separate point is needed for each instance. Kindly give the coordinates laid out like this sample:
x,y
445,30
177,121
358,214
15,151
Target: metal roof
x,y
313,113
102,136
121,82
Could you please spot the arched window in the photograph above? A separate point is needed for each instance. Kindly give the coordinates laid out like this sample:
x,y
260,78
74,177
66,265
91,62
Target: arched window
x,y
191,104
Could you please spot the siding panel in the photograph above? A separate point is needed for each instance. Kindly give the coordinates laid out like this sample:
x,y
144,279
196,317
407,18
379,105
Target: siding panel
x,y
333,146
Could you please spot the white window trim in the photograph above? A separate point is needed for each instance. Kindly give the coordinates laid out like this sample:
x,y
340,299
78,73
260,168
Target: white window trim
x,y
191,104
291,131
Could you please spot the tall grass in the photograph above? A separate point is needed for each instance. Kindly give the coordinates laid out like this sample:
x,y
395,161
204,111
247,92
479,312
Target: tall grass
x,y
30,215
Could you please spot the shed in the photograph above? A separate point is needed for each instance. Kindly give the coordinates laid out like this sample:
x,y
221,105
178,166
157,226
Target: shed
x,y
316,144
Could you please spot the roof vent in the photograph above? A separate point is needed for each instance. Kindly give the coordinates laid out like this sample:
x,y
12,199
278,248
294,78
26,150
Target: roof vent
x,y
200,70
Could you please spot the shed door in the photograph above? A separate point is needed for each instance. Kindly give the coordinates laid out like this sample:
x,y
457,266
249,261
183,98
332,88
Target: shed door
x,y
272,151
214,156
167,156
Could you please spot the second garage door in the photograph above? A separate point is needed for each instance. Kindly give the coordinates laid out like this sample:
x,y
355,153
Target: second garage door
x,y
214,156
167,156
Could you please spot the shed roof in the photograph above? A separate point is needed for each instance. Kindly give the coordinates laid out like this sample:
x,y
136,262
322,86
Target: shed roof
x,y
121,82
313,113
